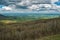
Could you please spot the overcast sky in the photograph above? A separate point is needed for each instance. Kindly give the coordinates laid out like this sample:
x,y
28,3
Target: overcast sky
x,y
54,0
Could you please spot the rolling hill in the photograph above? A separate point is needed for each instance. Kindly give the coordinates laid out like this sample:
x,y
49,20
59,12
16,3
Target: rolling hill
x,y
30,30
2,17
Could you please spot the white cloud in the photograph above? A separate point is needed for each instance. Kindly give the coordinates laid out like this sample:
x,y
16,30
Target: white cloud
x,y
24,3
6,8
54,1
34,7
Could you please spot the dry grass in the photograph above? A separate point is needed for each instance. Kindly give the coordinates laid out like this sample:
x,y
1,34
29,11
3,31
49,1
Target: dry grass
x,y
8,21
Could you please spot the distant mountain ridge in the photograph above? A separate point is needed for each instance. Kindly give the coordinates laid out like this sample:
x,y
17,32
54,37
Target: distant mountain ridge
x,y
2,17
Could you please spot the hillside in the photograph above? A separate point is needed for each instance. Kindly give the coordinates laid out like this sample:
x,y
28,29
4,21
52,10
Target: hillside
x,y
30,30
2,17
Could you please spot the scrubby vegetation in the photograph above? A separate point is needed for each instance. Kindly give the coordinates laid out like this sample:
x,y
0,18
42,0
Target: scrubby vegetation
x,y
30,30
52,37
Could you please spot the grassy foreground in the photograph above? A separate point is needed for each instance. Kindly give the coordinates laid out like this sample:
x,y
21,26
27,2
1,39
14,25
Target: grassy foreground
x,y
52,37
31,30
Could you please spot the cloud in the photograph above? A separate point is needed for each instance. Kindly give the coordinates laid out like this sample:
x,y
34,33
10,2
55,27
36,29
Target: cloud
x,y
34,7
54,1
23,3
6,8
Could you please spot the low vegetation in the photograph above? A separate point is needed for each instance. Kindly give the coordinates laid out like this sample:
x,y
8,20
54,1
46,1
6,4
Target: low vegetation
x,y
30,30
8,21
52,37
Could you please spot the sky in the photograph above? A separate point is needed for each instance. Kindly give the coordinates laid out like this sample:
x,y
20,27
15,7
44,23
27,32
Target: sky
x,y
54,1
